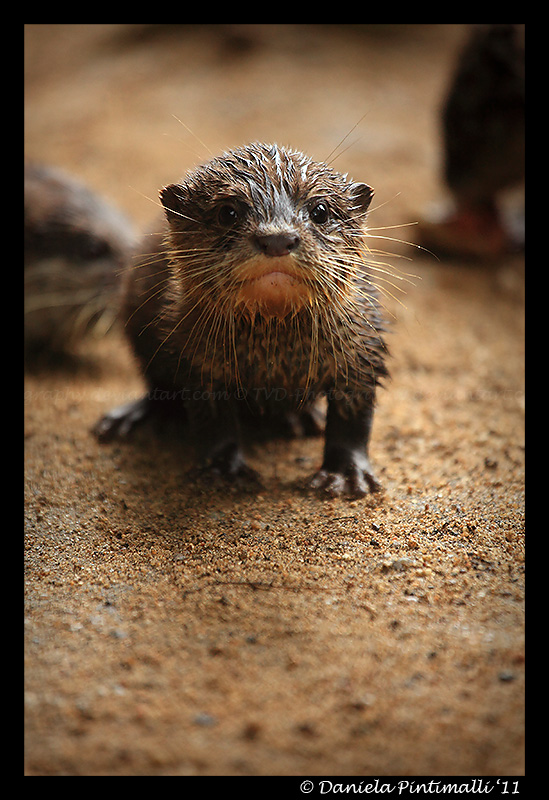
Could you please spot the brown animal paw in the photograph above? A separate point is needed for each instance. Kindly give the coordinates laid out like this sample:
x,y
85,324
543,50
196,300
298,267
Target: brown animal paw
x,y
355,482
118,422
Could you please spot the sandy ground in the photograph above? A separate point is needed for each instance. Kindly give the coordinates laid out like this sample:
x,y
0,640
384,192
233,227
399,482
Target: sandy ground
x,y
174,628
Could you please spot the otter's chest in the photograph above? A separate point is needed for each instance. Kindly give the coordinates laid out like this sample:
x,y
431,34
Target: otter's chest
x,y
290,360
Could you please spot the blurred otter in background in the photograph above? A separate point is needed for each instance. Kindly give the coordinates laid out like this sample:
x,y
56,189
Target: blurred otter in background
x,y
483,146
75,246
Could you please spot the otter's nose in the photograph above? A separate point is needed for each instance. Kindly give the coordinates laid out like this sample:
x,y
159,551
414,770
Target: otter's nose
x,y
277,244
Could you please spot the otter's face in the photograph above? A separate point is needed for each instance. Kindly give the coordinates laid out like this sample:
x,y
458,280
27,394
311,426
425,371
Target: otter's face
x,y
267,226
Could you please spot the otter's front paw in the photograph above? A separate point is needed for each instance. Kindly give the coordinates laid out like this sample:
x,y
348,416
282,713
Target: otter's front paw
x,y
120,421
337,484
354,479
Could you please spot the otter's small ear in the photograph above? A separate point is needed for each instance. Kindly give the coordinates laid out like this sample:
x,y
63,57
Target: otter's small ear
x,y
172,198
362,194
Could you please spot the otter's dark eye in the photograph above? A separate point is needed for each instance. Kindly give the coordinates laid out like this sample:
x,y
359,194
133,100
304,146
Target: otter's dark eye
x,y
228,215
319,212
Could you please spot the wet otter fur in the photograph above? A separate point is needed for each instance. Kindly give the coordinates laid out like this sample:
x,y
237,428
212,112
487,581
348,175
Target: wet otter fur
x,y
255,301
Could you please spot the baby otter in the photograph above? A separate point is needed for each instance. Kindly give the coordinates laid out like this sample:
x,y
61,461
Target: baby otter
x,y
256,301
75,245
